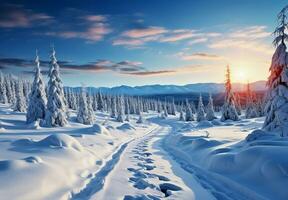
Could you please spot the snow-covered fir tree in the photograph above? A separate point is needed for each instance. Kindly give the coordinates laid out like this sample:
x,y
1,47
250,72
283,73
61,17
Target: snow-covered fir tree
x,y
113,107
237,102
3,92
140,119
210,115
181,117
56,111
37,98
189,115
251,109
120,114
94,102
20,104
200,110
100,103
127,109
9,89
277,98
228,109
84,114
173,108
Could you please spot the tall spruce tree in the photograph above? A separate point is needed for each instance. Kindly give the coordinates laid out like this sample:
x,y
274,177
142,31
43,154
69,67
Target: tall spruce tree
x,y
229,110
56,111
277,98
37,98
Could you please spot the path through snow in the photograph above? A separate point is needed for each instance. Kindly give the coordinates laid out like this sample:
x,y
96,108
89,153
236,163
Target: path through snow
x,y
144,171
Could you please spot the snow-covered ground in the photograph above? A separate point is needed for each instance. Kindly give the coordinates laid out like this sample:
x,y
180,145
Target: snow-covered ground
x,y
161,158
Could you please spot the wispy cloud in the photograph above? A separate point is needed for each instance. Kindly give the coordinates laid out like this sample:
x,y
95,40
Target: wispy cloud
x,y
16,16
92,28
178,35
144,32
141,36
198,40
199,56
249,38
151,73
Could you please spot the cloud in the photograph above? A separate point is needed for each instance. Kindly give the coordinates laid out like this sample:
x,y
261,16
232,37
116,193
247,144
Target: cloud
x,y
242,44
151,73
95,18
127,42
16,16
249,38
252,32
144,32
199,56
197,41
178,35
97,66
94,33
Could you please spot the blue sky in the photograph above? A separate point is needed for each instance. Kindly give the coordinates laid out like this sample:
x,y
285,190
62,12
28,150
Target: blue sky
x,y
109,43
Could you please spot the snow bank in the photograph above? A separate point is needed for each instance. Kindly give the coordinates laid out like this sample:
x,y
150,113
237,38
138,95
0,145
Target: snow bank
x,y
52,141
126,127
259,162
18,164
60,140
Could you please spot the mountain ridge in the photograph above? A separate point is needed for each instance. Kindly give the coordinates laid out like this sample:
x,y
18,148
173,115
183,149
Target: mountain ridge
x,y
175,89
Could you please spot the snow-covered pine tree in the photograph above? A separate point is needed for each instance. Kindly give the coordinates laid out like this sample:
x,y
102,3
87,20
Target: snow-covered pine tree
x,y
100,103
8,89
181,117
277,99
251,110
113,107
94,102
189,115
173,108
140,119
229,110
13,84
37,98
56,111
127,109
120,114
90,108
84,115
237,102
20,103
210,115
3,92
200,110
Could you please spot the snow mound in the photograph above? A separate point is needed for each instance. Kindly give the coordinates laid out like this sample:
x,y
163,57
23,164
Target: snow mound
x,y
187,127
34,125
216,122
126,126
204,124
99,129
60,140
18,164
258,134
33,159
2,130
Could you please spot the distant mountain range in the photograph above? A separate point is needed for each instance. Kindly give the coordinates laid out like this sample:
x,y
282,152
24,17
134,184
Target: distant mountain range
x,y
213,88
